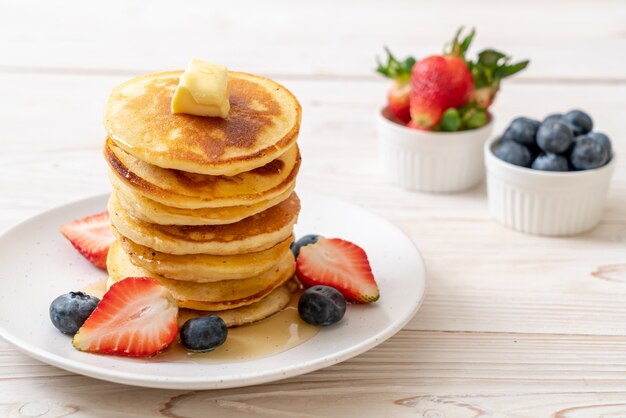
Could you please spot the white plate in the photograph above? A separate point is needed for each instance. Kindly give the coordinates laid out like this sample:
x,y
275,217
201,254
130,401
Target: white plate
x,y
37,264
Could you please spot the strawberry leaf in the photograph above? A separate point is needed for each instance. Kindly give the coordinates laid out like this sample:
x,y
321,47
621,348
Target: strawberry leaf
x,y
509,70
469,116
490,57
450,121
476,119
458,47
467,41
395,69
488,69
479,75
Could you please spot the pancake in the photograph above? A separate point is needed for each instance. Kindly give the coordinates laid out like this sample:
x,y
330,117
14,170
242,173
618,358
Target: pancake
x,y
263,122
204,268
255,233
153,212
193,191
275,302
214,296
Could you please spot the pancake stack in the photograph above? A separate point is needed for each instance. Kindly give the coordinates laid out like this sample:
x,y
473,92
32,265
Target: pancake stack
x,y
205,205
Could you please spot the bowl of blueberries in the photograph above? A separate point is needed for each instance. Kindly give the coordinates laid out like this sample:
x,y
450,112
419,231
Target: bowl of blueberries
x,y
550,177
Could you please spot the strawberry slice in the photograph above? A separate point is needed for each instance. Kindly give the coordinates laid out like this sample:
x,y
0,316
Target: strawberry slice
x,y
91,236
340,264
136,317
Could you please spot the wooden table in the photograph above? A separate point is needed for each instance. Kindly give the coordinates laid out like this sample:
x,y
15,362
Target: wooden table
x,y
512,325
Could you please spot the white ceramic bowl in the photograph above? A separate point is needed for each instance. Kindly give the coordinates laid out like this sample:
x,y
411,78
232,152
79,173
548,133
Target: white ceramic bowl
x,y
431,161
545,202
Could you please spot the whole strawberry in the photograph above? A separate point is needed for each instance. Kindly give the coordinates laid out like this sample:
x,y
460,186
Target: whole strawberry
x,y
440,82
448,92
488,70
398,95
437,84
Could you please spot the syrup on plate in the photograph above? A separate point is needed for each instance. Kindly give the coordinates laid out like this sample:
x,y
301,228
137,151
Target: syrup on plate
x,y
278,333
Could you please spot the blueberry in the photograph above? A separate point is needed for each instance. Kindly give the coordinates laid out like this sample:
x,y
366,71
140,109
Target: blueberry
x,y
513,153
302,242
550,162
554,137
522,130
68,312
555,117
321,305
535,151
589,153
580,122
204,333
602,138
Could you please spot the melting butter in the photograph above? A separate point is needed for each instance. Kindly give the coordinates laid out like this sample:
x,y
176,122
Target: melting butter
x,y
202,90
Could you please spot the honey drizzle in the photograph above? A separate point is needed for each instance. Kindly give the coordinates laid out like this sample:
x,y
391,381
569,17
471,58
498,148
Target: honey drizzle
x,y
278,333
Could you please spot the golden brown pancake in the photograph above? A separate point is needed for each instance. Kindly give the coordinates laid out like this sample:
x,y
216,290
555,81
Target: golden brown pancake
x,y
255,233
263,122
204,268
274,302
194,191
214,296
154,212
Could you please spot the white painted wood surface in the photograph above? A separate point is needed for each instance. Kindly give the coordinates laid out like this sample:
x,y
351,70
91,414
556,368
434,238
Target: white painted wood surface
x,y
512,325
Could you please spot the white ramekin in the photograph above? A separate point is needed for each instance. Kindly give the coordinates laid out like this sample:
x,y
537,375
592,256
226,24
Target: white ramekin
x,y
545,202
431,161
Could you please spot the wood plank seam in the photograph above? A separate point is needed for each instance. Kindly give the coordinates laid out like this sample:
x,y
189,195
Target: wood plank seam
x,y
344,77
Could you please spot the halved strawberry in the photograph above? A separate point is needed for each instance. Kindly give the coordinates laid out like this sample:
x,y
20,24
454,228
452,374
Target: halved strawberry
x,y
340,264
91,236
136,317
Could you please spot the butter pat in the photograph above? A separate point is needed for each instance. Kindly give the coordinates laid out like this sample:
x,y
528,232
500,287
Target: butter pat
x,y
202,90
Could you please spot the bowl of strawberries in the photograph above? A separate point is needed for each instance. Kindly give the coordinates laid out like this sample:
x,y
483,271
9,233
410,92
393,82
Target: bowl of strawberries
x,y
437,117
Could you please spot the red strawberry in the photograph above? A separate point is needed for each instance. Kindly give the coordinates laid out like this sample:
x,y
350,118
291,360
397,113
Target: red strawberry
x,y
415,126
437,84
91,236
487,70
339,264
398,100
484,96
398,95
136,317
